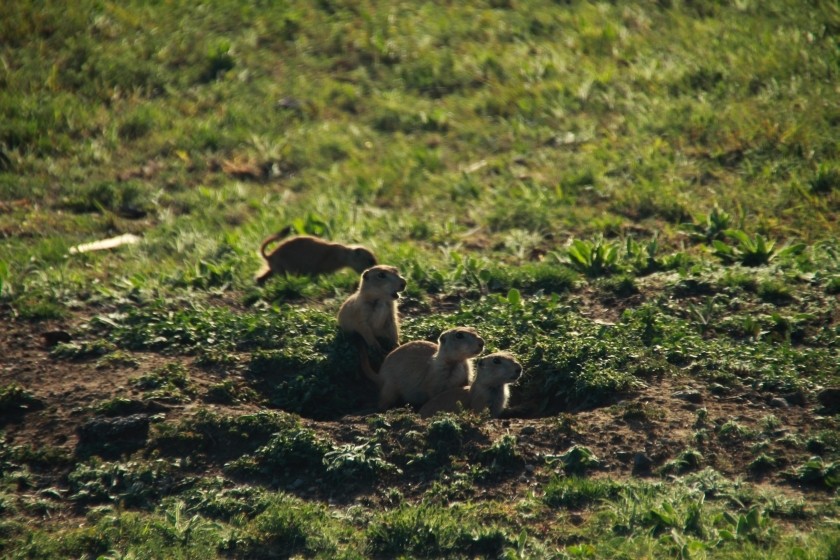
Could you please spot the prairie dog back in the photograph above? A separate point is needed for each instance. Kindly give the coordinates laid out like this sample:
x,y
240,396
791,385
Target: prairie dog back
x,y
419,370
311,256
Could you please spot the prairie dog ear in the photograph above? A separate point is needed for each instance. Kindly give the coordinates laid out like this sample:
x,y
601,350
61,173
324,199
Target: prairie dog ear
x,y
480,362
366,274
442,339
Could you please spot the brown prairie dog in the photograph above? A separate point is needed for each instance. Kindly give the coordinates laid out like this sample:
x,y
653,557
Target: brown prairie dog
x,y
371,311
489,390
417,371
306,255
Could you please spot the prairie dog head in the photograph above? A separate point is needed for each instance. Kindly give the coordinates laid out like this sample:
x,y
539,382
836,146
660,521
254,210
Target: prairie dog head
x,y
360,258
382,281
497,369
460,343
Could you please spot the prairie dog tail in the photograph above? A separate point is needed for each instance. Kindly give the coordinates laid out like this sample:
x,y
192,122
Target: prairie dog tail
x,y
272,238
364,361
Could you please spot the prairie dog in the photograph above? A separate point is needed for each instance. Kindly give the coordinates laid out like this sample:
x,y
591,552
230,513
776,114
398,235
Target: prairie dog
x,y
417,371
307,255
488,391
371,311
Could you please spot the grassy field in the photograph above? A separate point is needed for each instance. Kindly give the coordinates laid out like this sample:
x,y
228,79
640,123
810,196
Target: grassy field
x,y
638,200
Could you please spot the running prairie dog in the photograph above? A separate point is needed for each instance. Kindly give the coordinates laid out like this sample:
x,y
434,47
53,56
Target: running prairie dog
x,y
488,391
417,371
306,255
371,311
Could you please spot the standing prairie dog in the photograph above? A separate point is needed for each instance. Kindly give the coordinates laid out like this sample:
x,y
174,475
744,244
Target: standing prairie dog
x,y
371,311
417,371
488,391
306,255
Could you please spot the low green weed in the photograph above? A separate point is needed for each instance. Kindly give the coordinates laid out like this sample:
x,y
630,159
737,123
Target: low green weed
x,y
445,435
763,463
687,460
593,258
33,306
740,279
643,258
503,455
710,227
704,315
775,291
750,251
576,460
826,180
129,534
15,399
432,531
769,423
168,383
732,431
817,472
290,448
577,492
188,329
741,327
24,457
645,508
219,357
117,359
824,441
357,462
128,199
584,370
83,350
621,285
228,392
220,437
314,384
213,498
285,527
206,274
183,528
530,277
754,525
135,484
636,411
120,406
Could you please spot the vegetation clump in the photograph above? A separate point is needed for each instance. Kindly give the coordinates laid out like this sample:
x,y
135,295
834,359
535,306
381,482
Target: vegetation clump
x,y
15,400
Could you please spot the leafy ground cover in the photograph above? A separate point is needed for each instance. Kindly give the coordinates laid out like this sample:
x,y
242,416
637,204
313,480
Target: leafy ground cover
x,y
639,200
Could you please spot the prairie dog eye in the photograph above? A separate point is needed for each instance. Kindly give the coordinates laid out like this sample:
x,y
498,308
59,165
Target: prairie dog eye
x,y
459,335
497,360
382,275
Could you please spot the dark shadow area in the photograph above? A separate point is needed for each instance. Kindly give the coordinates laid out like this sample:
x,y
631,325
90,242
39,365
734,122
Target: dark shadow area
x,y
323,385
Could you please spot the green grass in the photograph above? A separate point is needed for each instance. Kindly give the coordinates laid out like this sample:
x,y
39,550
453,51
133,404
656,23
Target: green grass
x,y
574,492
624,195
